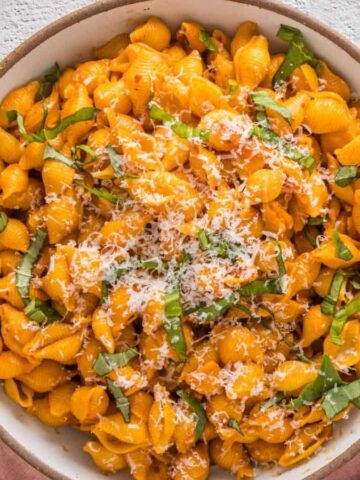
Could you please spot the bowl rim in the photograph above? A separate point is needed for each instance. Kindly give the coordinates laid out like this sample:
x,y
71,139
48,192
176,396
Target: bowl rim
x,y
100,6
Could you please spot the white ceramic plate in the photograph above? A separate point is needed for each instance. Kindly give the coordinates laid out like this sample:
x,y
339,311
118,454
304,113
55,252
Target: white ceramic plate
x,y
69,40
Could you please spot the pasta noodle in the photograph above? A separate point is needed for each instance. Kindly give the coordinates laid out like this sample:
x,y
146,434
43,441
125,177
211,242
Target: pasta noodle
x,y
179,250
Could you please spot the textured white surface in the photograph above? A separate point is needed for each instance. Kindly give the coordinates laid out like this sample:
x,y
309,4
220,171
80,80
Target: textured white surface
x,y
21,18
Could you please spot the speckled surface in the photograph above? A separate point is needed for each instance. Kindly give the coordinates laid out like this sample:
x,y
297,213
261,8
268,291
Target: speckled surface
x,y
21,18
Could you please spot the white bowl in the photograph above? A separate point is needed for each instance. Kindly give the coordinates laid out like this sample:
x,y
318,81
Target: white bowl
x,y
69,40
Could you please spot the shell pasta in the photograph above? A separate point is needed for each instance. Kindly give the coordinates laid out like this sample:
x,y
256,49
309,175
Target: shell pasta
x,y
179,250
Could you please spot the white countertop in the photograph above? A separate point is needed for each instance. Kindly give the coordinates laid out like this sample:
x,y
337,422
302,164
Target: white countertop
x,y
19,19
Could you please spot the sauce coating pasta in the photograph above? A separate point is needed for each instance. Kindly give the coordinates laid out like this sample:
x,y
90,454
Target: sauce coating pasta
x,y
179,250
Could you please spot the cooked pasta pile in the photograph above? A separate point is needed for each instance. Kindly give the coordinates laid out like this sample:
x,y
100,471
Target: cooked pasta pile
x,y
180,235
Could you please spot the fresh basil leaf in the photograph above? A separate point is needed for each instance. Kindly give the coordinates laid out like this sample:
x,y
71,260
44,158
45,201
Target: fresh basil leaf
x,y
309,237
3,221
121,401
41,312
82,115
261,118
329,303
326,380
50,152
104,292
264,100
337,399
314,221
341,317
261,287
206,39
87,150
180,128
222,248
341,250
23,271
114,161
297,55
271,139
233,423
107,362
299,353
232,87
172,323
355,284
110,197
277,398
48,80
346,174
215,310
198,410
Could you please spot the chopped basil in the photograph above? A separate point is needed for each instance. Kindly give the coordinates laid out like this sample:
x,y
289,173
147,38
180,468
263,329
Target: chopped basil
x,y
272,139
172,323
277,398
233,423
262,118
180,128
3,221
104,292
107,362
326,380
263,100
297,55
341,250
23,271
87,150
329,303
297,350
341,317
355,284
110,197
338,398
346,174
41,312
50,152
276,285
232,87
221,247
215,310
82,115
121,401
114,161
206,39
309,237
48,80
198,411
314,221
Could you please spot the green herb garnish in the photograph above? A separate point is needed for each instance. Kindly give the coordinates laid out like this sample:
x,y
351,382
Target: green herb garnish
x,y
182,129
172,323
341,317
41,312
297,55
329,303
341,250
3,221
107,362
110,197
198,411
346,174
206,39
326,380
277,398
121,401
48,81
273,140
264,100
222,248
82,115
50,152
23,271
233,423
